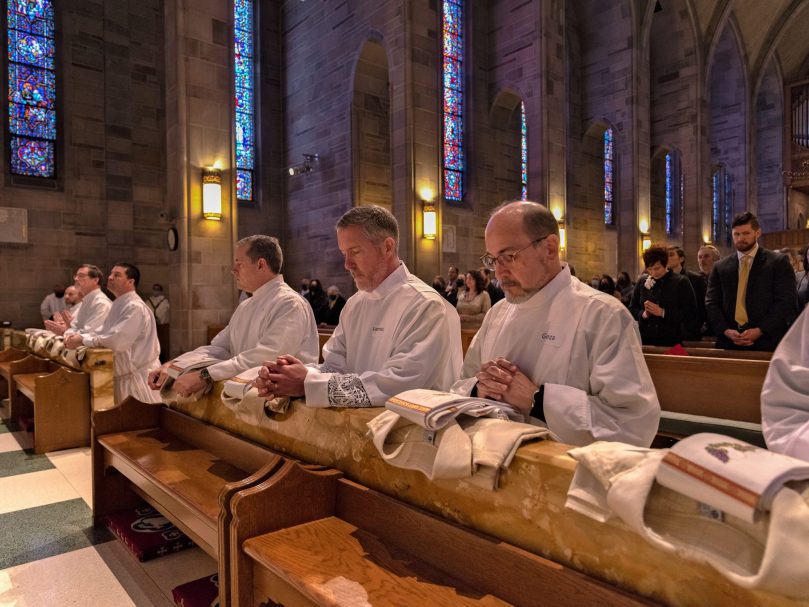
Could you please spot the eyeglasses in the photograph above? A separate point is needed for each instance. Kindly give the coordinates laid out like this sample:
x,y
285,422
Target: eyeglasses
x,y
77,276
490,262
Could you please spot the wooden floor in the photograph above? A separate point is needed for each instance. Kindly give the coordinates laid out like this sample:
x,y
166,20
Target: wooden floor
x,y
50,555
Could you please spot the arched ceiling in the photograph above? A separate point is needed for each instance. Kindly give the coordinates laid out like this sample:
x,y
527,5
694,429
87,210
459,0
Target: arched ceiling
x,y
764,26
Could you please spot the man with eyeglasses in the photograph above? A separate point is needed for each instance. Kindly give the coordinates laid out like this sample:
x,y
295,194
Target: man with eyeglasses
x,y
95,305
568,356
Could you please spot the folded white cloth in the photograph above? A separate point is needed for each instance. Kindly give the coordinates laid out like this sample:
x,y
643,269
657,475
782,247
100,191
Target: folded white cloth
x,y
55,345
36,340
470,448
180,365
241,396
615,479
75,356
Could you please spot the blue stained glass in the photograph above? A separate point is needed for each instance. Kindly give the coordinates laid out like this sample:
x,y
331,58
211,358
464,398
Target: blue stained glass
x,y
715,194
453,94
523,151
609,160
29,157
669,194
244,184
244,121
31,49
31,87
453,185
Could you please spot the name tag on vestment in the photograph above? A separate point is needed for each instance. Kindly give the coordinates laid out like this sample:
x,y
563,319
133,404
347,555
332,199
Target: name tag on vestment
x,y
377,329
549,339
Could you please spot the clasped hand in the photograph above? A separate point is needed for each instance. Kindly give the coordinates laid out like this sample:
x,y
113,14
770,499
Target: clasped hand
x,y
746,338
282,377
650,308
502,380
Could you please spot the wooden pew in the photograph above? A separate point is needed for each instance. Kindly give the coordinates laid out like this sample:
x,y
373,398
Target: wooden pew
x,y
186,469
58,402
340,549
7,356
17,366
713,352
701,393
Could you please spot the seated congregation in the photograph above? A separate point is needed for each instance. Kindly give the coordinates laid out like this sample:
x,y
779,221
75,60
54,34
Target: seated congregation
x,y
274,457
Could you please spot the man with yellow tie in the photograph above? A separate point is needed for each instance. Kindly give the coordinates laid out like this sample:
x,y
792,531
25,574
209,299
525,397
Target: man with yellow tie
x,y
751,299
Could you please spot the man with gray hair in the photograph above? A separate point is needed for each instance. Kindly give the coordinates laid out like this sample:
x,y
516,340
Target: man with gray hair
x,y
566,355
396,334
275,320
95,305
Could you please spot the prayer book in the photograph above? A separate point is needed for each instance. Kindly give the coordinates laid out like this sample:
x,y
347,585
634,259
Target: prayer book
x,y
728,474
433,409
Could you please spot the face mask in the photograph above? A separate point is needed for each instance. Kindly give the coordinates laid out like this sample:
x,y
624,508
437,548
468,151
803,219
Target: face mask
x,y
304,287
333,297
59,293
157,293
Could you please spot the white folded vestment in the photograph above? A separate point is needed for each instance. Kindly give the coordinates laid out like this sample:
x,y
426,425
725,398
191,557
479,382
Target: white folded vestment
x,y
241,396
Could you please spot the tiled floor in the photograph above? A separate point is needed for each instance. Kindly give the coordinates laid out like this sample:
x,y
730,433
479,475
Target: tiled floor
x,y
50,553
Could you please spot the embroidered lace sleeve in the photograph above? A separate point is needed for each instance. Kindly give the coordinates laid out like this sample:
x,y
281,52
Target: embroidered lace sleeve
x,y
346,390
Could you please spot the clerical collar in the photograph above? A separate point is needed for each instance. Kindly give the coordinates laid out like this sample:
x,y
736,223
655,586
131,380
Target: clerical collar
x,y
752,253
393,280
266,287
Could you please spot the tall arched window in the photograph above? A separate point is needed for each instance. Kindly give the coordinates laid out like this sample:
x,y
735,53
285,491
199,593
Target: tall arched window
x,y
31,88
721,205
609,178
244,124
453,69
674,190
523,151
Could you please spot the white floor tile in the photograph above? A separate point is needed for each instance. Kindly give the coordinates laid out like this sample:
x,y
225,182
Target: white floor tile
x,y
76,578
8,443
76,466
34,489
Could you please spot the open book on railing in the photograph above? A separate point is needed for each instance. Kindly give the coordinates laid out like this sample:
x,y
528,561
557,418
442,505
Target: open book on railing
x,y
432,409
728,474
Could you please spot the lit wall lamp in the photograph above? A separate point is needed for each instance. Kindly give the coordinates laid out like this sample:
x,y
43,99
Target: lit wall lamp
x,y
562,235
429,213
212,194
645,241
307,166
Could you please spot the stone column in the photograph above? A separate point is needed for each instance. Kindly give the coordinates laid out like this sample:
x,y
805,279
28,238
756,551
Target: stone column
x,y
198,127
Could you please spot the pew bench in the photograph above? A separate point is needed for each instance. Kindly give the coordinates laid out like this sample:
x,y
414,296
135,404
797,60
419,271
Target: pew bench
x,y
712,352
15,362
344,552
708,394
184,468
57,399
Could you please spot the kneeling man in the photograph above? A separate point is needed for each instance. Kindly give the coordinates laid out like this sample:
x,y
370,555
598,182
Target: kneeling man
x,y
396,334
565,354
275,320
129,330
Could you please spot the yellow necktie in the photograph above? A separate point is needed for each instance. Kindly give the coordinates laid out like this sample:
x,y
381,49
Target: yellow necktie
x,y
741,292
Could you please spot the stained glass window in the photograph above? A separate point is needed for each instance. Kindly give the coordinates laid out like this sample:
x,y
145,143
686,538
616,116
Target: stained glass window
x,y
609,178
245,99
721,206
669,196
524,151
453,70
31,87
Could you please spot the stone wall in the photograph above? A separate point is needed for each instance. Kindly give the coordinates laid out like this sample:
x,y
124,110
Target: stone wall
x,y
769,154
108,201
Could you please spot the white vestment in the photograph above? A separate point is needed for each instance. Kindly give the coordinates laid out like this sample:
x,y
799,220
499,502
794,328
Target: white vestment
x,y
785,395
274,321
400,336
160,305
130,332
584,346
91,316
51,305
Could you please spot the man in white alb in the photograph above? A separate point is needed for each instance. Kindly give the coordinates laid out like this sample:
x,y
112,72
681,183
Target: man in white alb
x,y
396,334
785,395
95,305
275,320
129,331
159,303
566,355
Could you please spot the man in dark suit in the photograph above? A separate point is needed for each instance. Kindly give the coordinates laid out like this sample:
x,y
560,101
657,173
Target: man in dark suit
x,y
751,298
676,263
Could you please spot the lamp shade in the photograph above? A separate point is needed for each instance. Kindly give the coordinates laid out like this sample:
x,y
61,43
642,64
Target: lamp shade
x,y
212,194
430,217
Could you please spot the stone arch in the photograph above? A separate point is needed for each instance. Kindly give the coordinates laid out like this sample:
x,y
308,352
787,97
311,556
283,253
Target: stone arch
x,y
769,149
370,127
505,159
727,112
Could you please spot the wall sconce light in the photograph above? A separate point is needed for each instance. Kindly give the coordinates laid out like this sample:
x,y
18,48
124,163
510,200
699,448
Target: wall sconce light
x,y
562,235
645,241
307,166
430,220
212,194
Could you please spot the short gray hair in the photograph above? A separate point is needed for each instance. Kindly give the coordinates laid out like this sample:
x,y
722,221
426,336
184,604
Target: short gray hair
x,y
377,223
260,246
537,220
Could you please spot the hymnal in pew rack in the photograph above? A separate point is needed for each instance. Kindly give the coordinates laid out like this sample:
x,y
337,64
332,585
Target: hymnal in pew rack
x,y
728,474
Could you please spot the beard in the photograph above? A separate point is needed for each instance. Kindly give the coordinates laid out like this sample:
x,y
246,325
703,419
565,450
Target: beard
x,y
518,298
743,248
